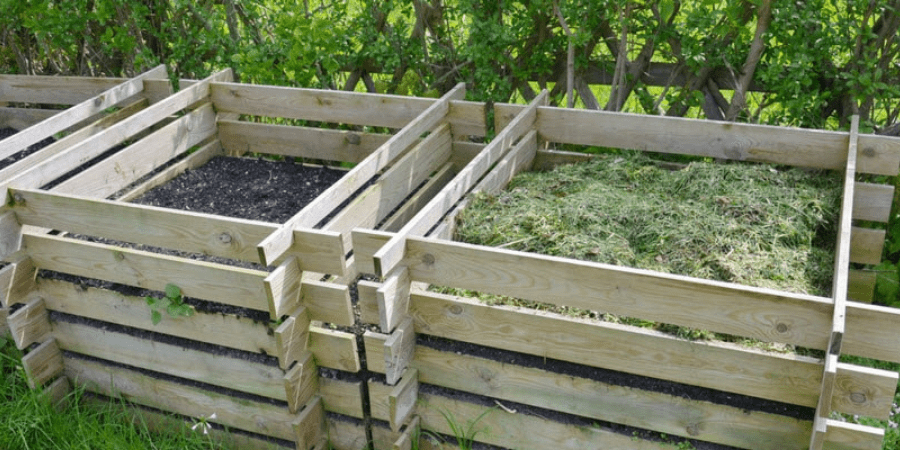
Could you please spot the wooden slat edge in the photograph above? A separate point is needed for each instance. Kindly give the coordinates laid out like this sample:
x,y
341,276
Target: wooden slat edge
x,y
334,349
30,324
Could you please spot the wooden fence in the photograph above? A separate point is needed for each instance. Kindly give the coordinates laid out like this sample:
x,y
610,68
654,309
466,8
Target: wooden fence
x,y
298,369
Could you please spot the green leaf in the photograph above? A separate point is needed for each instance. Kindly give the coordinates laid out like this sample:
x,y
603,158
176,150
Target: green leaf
x,y
150,300
173,291
155,317
666,7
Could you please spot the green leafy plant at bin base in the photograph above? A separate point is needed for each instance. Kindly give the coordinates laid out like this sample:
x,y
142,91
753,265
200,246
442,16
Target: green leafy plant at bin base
x,y
172,303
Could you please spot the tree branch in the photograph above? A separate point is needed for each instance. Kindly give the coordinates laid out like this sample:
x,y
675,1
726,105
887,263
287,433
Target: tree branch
x,y
757,46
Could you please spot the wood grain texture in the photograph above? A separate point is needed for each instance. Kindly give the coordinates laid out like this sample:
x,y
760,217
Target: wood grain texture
x,y
342,397
309,425
10,234
243,414
301,382
415,203
872,202
327,302
209,281
769,315
109,306
861,285
43,363
866,245
218,370
160,227
850,436
30,324
120,170
334,349
17,281
240,137
402,399
292,337
59,90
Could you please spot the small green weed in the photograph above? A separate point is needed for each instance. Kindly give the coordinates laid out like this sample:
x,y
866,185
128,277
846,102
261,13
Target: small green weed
x,y
172,303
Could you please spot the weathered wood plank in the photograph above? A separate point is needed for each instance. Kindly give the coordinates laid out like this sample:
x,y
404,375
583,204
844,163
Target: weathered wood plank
x,y
72,139
389,256
677,416
309,425
30,324
218,370
127,166
160,227
368,301
327,302
346,435
398,351
17,281
730,368
365,244
243,414
276,244
861,285
378,200
747,142
88,149
10,234
872,202
402,399
768,315
334,349
57,90
43,363
467,118
864,391
22,118
209,281
109,306
546,160
872,332
850,436
302,142
4,327
318,105
866,245
415,203
282,288
498,427
301,382
292,337
71,116
342,397
392,299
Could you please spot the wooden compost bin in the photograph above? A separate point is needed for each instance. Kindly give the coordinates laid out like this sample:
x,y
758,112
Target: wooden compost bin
x,y
515,404
66,111
260,378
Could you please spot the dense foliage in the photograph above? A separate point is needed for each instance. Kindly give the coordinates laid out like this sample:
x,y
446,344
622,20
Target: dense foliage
x,y
811,63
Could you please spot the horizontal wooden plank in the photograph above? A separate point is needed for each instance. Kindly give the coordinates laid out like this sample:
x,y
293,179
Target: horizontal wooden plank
x,y
725,367
508,430
218,370
43,363
365,244
864,391
301,382
30,324
327,302
746,142
866,245
243,414
549,159
872,202
22,118
74,138
764,314
109,306
334,349
160,227
342,396
318,105
127,166
77,113
664,413
17,281
850,436
872,332
414,203
209,281
467,118
346,435
240,137
861,285
58,90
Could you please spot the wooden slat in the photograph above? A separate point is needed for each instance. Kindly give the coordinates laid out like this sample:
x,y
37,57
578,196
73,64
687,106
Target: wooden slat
x,y
4,327
747,142
498,427
292,337
243,414
88,149
365,244
389,256
216,282
71,116
277,243
861,285
218,370
368,301
283,288
302,142
342,397
58,90
10,234
850,436
160,227
30,324
17,281
318,105
730,368
346,435
22,118
109,306
872,332
392,299
327,302
72,139
43,364
301,382
309,425
409,437
768,315
334,349
415,203
866,245
673,415
467,118
398,181
872,202
843,257
374,345
402,399
127,166
865,391
398,351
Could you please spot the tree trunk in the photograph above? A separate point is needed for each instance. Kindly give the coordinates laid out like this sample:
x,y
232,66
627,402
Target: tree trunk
x,y
757,46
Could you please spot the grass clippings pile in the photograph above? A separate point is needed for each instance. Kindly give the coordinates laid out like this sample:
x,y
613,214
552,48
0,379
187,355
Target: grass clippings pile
x,y
752,224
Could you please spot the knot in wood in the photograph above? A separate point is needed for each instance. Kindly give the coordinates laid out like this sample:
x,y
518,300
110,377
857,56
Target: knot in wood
x,y
781,327
428,259
858,398
353,139
868,152
456,309
118,255
693,429
19,199
98,101
225,238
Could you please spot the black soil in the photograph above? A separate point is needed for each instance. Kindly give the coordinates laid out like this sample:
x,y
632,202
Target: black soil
x,y
7,132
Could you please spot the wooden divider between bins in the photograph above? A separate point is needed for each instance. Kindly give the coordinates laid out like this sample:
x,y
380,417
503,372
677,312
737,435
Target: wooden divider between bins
x,y
30,324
